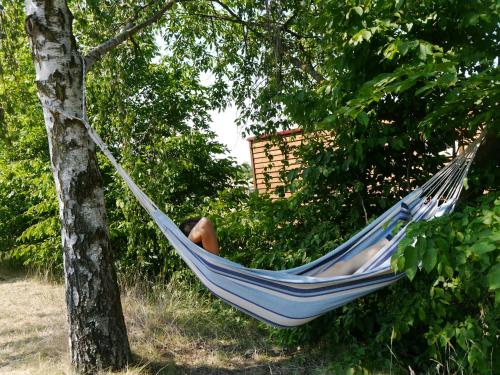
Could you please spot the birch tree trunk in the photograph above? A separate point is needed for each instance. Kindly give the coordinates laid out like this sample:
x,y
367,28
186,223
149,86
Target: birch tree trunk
x,y
97,332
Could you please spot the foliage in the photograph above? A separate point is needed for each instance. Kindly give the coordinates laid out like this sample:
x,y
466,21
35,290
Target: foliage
x,y
188,177
153,115
389,119
458,298
29,225
445,317
160,130
430,84
389,85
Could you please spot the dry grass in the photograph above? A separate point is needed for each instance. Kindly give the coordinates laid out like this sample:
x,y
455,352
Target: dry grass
x,y
32,327
176,331
172,330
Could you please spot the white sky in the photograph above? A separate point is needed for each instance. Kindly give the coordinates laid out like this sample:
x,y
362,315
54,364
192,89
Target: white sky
x,y
223,124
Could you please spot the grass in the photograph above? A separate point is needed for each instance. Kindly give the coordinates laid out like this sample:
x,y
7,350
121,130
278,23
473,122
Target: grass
x,y
172,330
32,321
175,327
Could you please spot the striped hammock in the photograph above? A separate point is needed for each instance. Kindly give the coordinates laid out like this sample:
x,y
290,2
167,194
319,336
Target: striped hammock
x,y
289,298
292,297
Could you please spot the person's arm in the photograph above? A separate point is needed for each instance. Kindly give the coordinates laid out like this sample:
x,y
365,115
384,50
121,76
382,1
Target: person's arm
x,y
204,232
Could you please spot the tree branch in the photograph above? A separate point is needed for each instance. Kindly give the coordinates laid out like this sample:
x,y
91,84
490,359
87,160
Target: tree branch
x,y
237,19
219,17
307,68
99,51
228,9
364,208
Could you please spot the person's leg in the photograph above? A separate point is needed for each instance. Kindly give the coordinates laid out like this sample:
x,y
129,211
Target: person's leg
x,y
204,232
364,256
350,266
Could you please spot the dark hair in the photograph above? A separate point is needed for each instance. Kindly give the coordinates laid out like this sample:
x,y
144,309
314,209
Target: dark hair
x,y
187,225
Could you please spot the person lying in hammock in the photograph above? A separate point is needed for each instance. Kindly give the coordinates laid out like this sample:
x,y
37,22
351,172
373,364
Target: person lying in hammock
x,y
201,231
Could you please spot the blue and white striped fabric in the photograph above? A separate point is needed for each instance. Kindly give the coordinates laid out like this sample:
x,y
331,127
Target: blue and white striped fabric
x,y
293,297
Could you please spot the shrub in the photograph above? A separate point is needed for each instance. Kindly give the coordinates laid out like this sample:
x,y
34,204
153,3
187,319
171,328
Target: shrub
x,y
454,264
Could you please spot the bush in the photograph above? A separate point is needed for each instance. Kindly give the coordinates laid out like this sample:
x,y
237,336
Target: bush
x,y
444,315
454,264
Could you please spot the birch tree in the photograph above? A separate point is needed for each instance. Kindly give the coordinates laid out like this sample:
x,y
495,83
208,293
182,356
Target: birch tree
x,y
98,336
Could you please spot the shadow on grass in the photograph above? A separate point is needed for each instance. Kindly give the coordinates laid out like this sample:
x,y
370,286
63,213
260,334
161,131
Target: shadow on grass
x,y
11,271
33,346
168,366
189,333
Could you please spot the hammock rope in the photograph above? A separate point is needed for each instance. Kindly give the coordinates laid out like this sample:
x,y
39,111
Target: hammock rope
x,y
296,296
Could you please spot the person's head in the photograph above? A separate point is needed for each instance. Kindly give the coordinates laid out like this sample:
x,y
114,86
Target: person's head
x,y
187,226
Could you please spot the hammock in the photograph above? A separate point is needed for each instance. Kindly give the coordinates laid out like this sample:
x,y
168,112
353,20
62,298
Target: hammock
x,y
293,297
296,296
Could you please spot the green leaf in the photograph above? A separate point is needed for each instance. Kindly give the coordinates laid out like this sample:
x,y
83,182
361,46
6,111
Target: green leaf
x,y
483,247
493,277
361,35
366,34
447,79
358,10
405,85
363,118
425,88
402,46
399,4
390,51
411,262
429,259
424,49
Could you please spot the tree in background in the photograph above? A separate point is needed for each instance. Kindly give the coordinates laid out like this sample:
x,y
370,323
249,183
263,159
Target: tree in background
x,y
26,189
392,83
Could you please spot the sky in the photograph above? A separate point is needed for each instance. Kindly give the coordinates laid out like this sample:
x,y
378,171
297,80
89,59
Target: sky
x,y
228,133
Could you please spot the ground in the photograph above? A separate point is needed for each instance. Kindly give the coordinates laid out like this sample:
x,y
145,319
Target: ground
x,y
32,327
172,333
